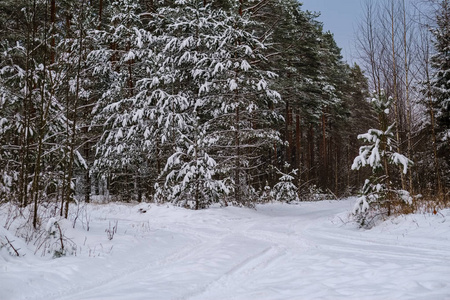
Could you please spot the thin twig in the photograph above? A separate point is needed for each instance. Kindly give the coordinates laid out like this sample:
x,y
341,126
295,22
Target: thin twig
x,y
10,244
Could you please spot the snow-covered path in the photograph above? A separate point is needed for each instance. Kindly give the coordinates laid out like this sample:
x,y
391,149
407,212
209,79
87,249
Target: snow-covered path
x,y
278,251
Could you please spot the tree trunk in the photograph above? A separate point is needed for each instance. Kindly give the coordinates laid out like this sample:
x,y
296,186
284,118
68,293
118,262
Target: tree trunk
x,y
238,156
74,118
52,20
408,100
298,149
396,100
87,176
310,162
43,117
288,134
100,13
336,170
324,175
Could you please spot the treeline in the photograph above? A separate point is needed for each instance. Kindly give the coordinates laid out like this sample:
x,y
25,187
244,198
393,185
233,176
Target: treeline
x,y
192,102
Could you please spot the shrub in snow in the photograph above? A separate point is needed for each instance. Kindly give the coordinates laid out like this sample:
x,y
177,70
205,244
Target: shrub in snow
x,y
55,242
314,193
111,231
285,190
378,153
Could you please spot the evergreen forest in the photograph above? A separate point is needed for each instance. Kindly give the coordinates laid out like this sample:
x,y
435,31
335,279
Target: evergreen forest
x,y
201,102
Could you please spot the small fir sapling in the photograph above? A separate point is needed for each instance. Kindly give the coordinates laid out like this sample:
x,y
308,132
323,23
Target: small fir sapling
x,y
285,190
266,194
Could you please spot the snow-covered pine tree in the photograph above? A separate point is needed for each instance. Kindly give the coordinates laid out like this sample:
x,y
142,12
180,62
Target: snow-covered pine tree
x,y
193,49
243,114
440,85
198,75
118,66
378,194
163,120
191,179
169,95
331,77
18,128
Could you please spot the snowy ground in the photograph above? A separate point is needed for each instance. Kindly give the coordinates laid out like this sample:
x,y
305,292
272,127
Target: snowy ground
x,y
278,251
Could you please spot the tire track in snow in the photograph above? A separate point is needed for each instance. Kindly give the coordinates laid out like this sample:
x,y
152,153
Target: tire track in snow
x,y
280,244
239,273
187,251
75,292
324,238
281,239
191,251
207,237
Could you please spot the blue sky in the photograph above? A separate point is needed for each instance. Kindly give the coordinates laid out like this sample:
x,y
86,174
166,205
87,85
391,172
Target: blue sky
x,y
341,17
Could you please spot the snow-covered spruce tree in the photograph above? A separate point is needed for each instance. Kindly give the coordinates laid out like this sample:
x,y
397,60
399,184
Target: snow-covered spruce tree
x,y
378,196
440,90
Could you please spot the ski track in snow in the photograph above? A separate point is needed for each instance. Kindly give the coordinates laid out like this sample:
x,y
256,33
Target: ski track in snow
x,y
278,251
